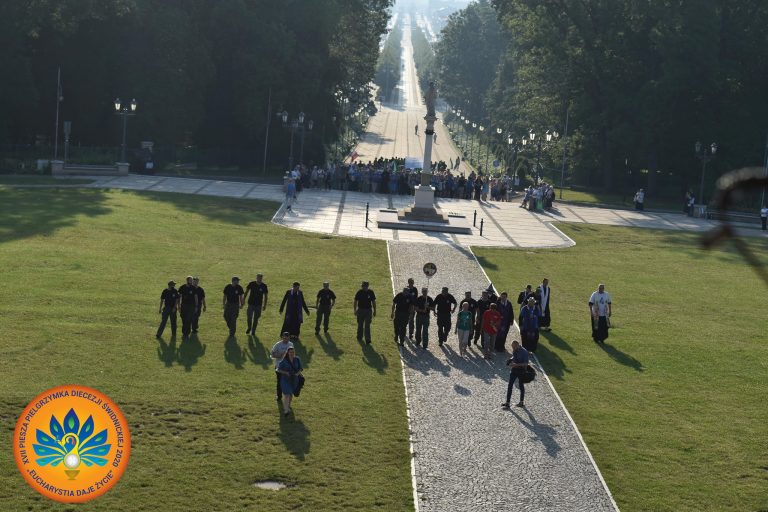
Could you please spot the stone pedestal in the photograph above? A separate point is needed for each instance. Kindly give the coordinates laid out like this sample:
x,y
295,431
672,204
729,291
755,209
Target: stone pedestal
x,y
425,197
122,168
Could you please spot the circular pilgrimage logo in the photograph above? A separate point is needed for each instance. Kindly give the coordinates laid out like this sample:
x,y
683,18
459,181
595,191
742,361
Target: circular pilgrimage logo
x,y
71,444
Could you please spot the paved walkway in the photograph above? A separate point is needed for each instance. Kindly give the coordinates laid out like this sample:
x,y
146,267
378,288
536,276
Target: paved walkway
x,y
343,213
391,133
469,454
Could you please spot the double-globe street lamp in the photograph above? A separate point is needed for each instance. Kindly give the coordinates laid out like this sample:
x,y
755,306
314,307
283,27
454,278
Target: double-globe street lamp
x,y
701,154
294,125
540,143
125,111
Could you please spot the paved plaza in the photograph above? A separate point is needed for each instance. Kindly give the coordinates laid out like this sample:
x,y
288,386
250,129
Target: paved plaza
x,y
343,213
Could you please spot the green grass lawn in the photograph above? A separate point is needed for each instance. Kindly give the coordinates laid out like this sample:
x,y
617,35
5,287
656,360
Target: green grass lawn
x,y
598,198
82,275
673,406
18,179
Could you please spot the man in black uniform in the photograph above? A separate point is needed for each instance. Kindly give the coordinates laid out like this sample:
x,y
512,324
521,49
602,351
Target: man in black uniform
x,y
169,304
256,292
365,309
200,303
293,303
326,299
412,316
483,305
424,306
188,301
233,300
472,309
445,305
402,306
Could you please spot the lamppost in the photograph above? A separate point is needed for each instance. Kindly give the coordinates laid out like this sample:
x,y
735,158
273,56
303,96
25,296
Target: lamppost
x,y
549,136
482,129
310,123
701,154
513,144
466,132
293,125
125,111
472,142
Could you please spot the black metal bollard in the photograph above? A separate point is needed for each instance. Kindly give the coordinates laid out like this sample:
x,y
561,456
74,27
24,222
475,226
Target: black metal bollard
x,y
482,221
366,214
474,220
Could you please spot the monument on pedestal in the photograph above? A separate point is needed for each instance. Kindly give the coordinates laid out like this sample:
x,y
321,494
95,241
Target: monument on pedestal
x,y
424,215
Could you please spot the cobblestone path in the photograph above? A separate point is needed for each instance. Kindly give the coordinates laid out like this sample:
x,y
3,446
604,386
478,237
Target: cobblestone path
x,y
469,454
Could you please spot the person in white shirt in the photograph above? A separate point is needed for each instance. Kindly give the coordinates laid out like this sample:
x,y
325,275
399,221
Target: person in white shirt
x,y
278,353
639,199
764,216
600,313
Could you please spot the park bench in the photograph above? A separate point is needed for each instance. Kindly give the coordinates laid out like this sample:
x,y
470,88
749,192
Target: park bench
x,y
59,169
747,218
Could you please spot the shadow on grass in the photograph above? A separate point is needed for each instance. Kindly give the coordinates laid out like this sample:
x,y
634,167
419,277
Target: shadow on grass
x,y
167,352
487,264
551,362
622,357
294,435
329,346
302,352
541,431
230,210
373,359
233,353
557,342
190,351
30,212
258,353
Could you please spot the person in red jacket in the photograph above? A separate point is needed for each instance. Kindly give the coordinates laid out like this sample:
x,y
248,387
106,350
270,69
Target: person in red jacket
x,y
490,326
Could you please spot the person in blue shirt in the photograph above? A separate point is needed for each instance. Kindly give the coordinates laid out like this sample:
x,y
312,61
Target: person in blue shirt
x,y
517,363
289,369
530,315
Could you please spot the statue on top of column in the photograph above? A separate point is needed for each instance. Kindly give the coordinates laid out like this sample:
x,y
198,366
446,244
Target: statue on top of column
x,y
430,99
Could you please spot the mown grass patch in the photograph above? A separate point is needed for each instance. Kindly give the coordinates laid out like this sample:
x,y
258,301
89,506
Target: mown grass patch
x,y
673,406
82,275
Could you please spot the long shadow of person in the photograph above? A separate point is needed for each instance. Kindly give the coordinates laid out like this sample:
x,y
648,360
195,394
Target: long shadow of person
x,y
167,352
304,354
541,432
473,364
294,435
622,357
329,346
423,361
552,362
233,353
190,351
374,359
257,353
557,342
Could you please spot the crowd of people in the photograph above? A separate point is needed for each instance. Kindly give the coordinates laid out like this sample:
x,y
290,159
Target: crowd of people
x,y
391,176
484,322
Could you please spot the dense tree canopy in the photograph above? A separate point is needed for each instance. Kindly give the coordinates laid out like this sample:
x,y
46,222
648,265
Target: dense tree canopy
x,y
389,63
201,70
642,81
